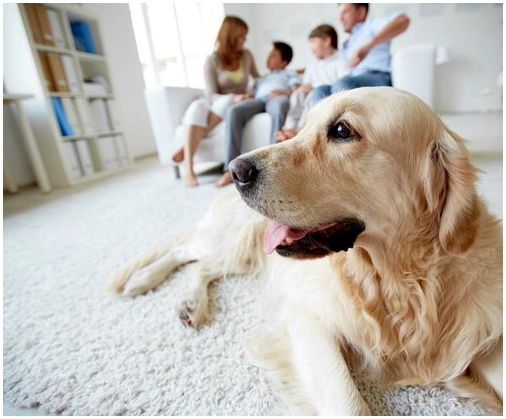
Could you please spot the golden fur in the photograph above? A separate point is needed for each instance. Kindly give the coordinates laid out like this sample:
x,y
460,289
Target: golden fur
x,y
417,299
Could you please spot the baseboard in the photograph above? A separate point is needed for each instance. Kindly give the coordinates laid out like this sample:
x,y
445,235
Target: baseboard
x,y
145,156
486,154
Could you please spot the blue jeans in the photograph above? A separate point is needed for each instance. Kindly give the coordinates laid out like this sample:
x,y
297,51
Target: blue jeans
x,y
374,78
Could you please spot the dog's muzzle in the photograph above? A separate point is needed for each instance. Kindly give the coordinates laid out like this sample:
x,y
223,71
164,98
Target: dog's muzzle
x,y
244,172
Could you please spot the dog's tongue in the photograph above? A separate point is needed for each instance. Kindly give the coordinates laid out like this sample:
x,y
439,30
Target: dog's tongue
x,y
276,233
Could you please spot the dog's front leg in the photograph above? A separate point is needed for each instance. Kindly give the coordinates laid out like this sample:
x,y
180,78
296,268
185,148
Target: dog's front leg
x,y
322,369
193,311
151,270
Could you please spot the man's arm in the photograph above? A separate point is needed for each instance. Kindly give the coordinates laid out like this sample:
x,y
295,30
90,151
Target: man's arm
x,y
390,31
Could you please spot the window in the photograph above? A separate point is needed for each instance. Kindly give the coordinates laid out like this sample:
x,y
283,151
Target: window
x,y
174,39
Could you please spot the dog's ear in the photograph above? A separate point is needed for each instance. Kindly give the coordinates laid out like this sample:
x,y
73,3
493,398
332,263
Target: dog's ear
x,y
450,192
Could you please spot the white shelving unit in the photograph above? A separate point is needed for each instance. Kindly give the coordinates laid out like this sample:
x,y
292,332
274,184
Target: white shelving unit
x,y
23,72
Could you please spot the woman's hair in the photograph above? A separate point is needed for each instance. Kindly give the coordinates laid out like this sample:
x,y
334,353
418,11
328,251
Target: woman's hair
x,y
226,41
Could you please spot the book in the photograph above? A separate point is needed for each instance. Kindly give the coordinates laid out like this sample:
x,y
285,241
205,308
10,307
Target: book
x,y
107,153
99,115
48,78
57,73
72,160
56,28
82,36
33,20
65,127
83,151
70,110
83,110
69,69
45,27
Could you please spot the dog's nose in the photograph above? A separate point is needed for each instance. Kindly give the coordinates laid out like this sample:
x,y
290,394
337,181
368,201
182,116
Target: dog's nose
x,y
243,171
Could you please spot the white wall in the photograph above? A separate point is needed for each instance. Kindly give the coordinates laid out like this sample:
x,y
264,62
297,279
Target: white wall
x,y
472,32
473,35
13,147
125,69
15,151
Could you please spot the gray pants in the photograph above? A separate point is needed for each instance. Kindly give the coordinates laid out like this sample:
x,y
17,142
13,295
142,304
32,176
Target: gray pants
x,y
240,113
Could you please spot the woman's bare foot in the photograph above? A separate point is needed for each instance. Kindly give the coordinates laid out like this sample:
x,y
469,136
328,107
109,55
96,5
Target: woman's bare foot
x,y
178,156
225,180
280,136
190,180
285,134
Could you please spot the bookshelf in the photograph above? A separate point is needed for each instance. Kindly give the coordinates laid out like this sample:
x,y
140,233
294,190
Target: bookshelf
x,y
95,145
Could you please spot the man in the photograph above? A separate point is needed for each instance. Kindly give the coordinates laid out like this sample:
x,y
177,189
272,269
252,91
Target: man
x,y
367,50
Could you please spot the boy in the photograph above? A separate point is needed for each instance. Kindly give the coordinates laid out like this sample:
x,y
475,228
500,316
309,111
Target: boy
x,y
326,69
271,94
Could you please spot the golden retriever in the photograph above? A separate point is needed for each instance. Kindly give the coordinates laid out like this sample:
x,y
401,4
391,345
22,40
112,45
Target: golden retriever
x,y
381,252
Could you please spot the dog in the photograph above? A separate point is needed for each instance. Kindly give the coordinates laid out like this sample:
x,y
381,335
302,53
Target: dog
x,y
378,252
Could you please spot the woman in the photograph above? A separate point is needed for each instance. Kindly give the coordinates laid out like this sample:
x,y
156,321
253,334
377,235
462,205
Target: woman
x,y
226,75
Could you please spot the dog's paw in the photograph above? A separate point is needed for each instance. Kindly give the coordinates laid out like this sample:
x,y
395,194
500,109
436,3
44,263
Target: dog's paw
x,y
191,313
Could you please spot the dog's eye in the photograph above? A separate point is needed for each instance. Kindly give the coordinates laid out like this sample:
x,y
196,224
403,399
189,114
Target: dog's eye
x,y
342,132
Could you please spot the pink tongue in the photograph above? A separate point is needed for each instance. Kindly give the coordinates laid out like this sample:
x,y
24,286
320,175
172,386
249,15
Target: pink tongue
x,y
276,233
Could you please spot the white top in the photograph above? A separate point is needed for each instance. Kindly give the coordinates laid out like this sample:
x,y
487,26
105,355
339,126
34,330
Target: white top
x,y
325,72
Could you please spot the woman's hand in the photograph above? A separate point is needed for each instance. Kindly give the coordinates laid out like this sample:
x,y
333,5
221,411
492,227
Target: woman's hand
x,y
242,96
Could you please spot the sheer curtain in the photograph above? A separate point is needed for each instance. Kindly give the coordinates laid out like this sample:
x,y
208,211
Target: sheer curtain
x,y
173,40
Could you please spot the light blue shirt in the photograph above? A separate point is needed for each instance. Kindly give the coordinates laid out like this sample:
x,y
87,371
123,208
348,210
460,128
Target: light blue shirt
x,y
378,58
277,80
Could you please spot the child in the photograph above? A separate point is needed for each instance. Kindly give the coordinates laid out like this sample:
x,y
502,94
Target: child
x,y
326,69
271,94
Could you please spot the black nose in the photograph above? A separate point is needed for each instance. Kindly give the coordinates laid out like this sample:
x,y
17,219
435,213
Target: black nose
x,y
243,171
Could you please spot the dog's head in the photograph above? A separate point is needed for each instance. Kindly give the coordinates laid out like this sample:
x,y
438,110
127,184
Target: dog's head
x,y
369,160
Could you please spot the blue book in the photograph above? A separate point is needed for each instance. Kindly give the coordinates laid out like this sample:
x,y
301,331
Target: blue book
x,y
63,122
82,36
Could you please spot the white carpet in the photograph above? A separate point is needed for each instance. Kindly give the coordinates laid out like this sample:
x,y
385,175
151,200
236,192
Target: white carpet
x,y
70,348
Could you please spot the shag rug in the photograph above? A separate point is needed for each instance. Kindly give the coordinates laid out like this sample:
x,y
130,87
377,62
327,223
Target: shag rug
x,y
71,348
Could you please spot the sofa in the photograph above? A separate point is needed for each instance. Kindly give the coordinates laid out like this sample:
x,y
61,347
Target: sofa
x,y
166,107
412,70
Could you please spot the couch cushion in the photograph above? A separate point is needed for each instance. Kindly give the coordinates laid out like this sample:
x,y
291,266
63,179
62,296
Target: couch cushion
x,y
213,149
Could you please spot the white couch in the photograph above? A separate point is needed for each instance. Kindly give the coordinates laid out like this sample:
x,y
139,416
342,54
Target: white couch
x,y
166,108
412,70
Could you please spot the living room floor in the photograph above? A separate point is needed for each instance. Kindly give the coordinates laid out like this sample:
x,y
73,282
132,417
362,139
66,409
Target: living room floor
x,y
59,252
489,183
